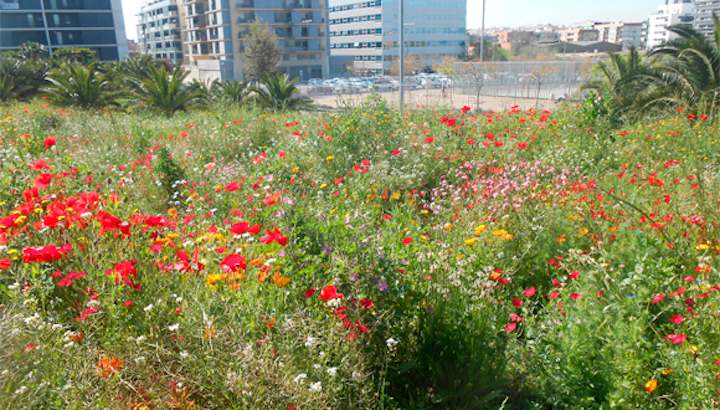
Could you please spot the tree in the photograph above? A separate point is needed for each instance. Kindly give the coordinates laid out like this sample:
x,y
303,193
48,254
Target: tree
x,y
72,55
12,78
542,74
261,53
80,86
278,93
412,64
447,66
165,92
476,73
233,92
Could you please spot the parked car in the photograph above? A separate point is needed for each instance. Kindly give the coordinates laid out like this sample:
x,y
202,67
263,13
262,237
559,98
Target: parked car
x,y
384,84
319,87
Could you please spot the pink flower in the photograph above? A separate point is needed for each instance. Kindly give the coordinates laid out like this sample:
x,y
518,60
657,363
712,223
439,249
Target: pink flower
x,y
677,339
510,327
529,292
575,296
677,319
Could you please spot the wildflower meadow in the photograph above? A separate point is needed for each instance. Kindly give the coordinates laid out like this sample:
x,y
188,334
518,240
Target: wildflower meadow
x,y
370,258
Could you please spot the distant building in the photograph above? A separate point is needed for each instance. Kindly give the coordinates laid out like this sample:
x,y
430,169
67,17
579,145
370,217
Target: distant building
x,y
365,34
671,13
213,32
515,40
546,37
94,24
158,30
133,47
625,34
703,22
579,34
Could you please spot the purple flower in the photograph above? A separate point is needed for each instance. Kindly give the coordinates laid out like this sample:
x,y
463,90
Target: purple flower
x,y
382,285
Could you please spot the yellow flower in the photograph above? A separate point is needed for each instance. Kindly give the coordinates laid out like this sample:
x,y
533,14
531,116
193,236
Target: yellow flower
x,y
295,170
396,195
212,278
323,186
479,230
651,385
702,247
583,231
500,232
666,372
470,241
330,158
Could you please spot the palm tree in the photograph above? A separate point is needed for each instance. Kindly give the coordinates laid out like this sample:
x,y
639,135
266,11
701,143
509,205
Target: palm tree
x,y
12,79
690,66
164,92
81,86
233,91
206,89
278,93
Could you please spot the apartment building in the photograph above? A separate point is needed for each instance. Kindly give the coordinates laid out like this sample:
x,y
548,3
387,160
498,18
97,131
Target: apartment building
x,y
213,30
579,34
671,13
94,24
364,34
158,30
704,10
625,34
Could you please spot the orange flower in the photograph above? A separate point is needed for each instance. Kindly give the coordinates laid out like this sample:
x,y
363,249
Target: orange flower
x,y
269,323
210,333
257,261
107,367
172,212
262,276
651,385
280,280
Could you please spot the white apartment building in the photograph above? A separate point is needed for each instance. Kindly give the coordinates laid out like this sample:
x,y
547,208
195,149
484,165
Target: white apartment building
x,y
159,30
365,33
671,13
625,34
703,16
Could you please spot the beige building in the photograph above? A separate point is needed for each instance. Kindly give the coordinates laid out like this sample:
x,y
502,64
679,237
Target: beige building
x,y
578,34
213,32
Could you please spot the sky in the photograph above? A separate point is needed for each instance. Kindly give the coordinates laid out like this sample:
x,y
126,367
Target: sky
x,y
512,13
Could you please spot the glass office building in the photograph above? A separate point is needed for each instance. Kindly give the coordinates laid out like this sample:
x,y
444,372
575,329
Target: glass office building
x,y
159,30
365,34
93,24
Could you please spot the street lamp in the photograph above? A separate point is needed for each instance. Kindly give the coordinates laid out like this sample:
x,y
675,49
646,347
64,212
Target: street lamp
x,y
482,34
402,54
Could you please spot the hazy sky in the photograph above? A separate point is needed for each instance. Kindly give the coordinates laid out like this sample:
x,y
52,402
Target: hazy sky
x,y
513,12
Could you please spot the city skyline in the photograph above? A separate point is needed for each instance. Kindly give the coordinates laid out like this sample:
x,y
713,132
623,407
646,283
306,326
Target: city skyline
x,y
503,13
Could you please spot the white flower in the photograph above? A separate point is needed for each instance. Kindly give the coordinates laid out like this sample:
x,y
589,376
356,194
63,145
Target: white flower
x,y
332,371
317,366
321,354
357,376
300,378
315,387
184,354
148,307
174,327
391,343
310,341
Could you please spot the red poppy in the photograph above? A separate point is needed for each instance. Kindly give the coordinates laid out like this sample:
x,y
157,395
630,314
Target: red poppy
x,y
49,142
677,339
274,236
43,181
407,241
522,145
233,263
574,275
554,295
233,186
515,318
465,108
309,293
330,293
429,140
517,302
470,141
510,327
677,319
396,152
575,296
242,227
529,292
4,263
657,298
366,303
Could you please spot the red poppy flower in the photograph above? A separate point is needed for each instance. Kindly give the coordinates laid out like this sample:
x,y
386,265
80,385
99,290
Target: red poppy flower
x,y
510,327
677,319
575,296
43,181
407,241
366,303
309,293
522,145
657,298
574,275
465,108
677,339
233,186
429,140
517,302
470,141
128,303
330,293
515,318
4,263
274,236
554,295
529,292
233,263
49,142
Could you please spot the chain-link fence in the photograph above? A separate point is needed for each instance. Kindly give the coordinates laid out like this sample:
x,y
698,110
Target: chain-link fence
x,y
487,85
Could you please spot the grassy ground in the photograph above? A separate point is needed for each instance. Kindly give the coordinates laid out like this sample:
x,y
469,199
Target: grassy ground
x,y
368,259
